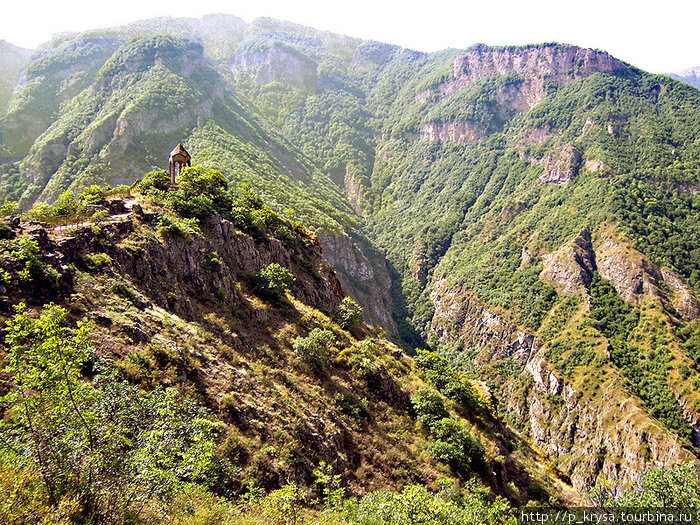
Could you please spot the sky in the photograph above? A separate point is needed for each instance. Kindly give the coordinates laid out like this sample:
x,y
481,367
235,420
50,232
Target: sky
x,y
659,37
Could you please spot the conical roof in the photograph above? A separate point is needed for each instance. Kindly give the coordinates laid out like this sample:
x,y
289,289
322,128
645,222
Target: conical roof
x,y
179,151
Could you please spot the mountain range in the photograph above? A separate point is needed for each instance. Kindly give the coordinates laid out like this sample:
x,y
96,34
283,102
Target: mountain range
x,y
529,214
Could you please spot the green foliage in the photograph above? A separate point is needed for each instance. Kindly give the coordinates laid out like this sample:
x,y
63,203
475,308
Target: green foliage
x,y
332,492
616,320
611,315
185,227
154,183
273,281
429,406
689,334
676,486
415,505
454,385
315,348
349,313
35,272
455,445
283,505
103,446
200,193
8,208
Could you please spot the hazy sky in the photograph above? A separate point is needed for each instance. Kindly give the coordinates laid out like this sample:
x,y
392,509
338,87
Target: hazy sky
x,y
659,36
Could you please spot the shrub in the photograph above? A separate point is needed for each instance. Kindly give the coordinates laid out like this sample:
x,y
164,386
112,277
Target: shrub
x,y
446,380
104,445
273,280
314,349
429,406
454,444
154,182
349,313
91,195
8,208
178,226
40,212
415,505
329,483
35,271
283,505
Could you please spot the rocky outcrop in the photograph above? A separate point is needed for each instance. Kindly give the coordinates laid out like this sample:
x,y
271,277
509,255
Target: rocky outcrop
x,y
684,299
586,434
201,274
571,267
463,320
458,132
537,66
635,277
278,62
597,166
592,436
364,276
562,166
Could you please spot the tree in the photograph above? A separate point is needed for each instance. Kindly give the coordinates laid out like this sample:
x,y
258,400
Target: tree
x,y
455,445
429,406
273,280
349,313
314,349
100,445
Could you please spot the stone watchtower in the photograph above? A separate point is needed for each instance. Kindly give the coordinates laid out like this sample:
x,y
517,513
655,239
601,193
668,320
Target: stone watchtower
x,y
180,157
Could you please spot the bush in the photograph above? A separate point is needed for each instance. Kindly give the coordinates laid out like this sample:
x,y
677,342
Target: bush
x,y
283,505
104,446
446,380
154,182
8,208
415,505
35,271
429,406
273,280
91,195
349,313
314,349
455,445
179,226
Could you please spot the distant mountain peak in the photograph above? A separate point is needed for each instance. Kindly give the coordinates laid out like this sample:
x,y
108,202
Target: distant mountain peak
x,y
689,76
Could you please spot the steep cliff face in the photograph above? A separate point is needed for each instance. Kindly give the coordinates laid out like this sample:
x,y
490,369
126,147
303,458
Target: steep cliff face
x,y
537,67
588,432
458,132
592,436
277,63
364,276
13,60
562,166
512,81
632,274
571,267
635,277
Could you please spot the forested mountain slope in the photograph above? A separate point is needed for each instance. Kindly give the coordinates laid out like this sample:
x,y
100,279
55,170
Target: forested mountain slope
x,y
529,212
222,327
12,60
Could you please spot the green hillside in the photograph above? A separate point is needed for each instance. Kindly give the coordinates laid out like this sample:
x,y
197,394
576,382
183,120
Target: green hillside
x,y
529,213
12,60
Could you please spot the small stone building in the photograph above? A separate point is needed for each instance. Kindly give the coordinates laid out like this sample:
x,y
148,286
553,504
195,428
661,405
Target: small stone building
x,y
179,157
